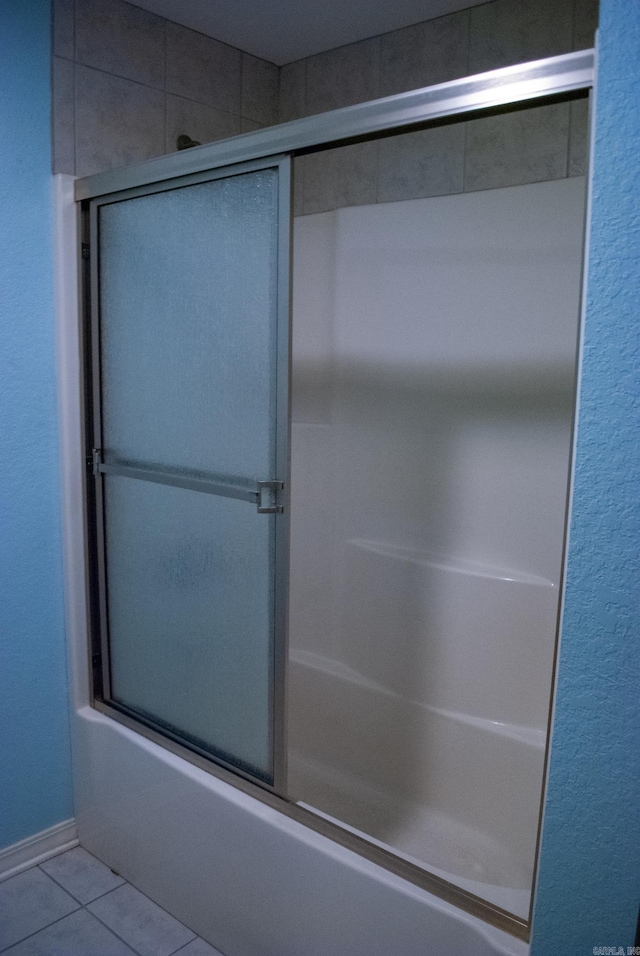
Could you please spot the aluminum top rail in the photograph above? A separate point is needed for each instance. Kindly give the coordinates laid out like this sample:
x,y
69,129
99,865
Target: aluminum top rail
x,y
553,76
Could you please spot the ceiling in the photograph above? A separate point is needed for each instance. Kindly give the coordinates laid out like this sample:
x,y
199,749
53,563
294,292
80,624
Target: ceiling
x,y
286,30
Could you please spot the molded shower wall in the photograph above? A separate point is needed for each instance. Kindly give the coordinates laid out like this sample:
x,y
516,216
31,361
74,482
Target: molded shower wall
x,y
434,348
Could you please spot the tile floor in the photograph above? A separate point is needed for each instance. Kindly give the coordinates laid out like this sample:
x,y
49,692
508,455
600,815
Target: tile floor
x,y
74,905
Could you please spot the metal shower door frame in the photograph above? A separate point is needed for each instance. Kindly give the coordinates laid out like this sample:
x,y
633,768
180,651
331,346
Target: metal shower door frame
x,y
96,469
549,80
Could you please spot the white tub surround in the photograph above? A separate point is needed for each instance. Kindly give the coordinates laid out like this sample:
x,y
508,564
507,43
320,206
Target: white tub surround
x,y
434,345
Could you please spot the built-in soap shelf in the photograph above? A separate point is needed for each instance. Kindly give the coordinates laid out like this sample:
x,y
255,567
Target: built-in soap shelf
x,y
457,565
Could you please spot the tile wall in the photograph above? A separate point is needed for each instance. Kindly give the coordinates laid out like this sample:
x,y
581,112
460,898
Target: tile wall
x,y
127,83
526,146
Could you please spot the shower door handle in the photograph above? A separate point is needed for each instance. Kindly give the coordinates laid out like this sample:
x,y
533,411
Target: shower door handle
x,y
269,490
264,494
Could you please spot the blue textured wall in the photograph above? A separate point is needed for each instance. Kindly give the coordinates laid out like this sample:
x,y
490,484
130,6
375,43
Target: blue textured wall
x,y
35,787
589,883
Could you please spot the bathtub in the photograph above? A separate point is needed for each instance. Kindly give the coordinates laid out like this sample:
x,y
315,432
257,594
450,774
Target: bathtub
x,y
244,876
454,794
417,715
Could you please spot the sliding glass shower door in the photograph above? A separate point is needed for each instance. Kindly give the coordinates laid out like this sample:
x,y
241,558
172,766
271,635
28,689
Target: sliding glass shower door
x,y
189,457
434,360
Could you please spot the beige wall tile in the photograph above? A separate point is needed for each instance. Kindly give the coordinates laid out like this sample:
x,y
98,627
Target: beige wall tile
x,y
585,23
249,125
63,13
578,137
202,69
429,162
121,39
525,146
345,176
63,115
505,32
291,104
214,91
340,77
297,171
117,121
424,54
259,90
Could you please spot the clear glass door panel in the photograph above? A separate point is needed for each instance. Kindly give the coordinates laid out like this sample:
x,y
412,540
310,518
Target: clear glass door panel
x,y
189,598
188,306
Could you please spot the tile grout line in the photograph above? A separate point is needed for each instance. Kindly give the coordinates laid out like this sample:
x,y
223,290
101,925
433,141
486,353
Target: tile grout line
x,y
112,890
75,87
181,26
79,902
85,906
53,880
129,944
38,866
148,899
111,930
305,162
464,156
189,99
42,928
569,126
378,93
241,104
118,76
176,952
73,118
465,122
164,85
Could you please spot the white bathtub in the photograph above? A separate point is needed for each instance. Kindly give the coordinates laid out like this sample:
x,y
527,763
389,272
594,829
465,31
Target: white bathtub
x,y
419,718
242,875
455,794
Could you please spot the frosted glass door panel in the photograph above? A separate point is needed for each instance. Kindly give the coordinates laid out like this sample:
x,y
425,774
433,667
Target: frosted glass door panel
x,y
187,283
188,313
189,579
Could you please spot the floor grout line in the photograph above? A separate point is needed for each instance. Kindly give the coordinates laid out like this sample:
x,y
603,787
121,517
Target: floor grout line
x,y
176,952
112,890
130,945
42,928
111,930
85,906
69,893
63,888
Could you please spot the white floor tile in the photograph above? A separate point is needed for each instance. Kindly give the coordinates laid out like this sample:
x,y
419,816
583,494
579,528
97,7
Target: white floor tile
x,y
81,874
198,948
77,935
29,902
140,923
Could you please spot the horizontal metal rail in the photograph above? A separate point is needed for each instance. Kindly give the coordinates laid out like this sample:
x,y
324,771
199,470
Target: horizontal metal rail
x,y
513,84
208,485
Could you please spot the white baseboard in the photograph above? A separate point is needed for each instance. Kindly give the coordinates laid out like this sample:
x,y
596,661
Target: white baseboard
x,y
38,848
